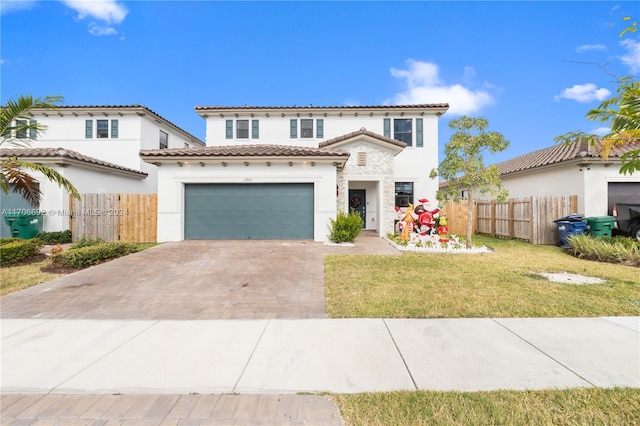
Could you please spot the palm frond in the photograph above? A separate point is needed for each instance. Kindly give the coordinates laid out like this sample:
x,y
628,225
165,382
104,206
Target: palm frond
x,y
15,117
22,182
13,173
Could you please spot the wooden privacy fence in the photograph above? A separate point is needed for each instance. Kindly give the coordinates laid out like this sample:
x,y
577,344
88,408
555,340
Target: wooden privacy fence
x,y
456,214
530,219
115,217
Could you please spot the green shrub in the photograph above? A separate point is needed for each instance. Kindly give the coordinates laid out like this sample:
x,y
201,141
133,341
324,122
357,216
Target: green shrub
x,y
87,242
18,250
92,255
61,237
345,227
606,249
4,241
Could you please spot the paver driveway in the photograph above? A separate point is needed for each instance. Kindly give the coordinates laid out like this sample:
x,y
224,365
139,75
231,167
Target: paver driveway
x,y
194,280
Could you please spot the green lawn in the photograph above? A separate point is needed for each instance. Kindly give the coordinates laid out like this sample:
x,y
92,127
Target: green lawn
x,y
590,406
499,284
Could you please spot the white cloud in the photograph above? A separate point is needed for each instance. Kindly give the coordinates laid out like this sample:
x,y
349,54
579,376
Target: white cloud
x,y
632,58
587,47
8,6
425,86
98,30
601,131
584,93
109,11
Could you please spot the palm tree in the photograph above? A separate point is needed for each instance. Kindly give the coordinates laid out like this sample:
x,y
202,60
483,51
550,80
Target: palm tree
x,y
625,123
15,124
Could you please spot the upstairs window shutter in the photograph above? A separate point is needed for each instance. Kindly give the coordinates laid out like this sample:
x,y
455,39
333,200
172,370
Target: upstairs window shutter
x,y
319,128
293,128
33,133
255,129
114,129
387,127
229,129
88,129
419,137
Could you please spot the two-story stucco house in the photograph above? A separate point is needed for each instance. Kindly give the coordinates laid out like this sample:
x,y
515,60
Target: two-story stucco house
x,y
97,148
285,172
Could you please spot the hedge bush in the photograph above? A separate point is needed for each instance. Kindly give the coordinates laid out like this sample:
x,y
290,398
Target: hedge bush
x,y
87,242
61,237
621,250
93,254
4,241
345,227
17,250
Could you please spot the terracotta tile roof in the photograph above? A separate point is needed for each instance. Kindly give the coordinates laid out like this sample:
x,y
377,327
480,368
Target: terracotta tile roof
x,y
362,131
244,151
130,107
352,107
559,153
63,153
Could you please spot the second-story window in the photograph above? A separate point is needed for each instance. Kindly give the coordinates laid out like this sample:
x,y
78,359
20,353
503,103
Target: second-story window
x,y
306,128
104,129
242,129
164,140
402,130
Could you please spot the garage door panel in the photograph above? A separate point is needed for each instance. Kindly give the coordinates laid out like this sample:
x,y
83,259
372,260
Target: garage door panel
x,y
249,211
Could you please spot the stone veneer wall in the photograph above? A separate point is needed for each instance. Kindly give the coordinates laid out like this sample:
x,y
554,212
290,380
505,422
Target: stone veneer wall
x,y
379,167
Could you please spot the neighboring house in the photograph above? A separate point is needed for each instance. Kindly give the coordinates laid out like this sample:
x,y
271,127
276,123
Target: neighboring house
x,y
88,175
97,148
284,172
572,169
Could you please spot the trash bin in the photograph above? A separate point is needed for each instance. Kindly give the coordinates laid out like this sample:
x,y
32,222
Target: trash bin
x,y
601,226
570,225
23,225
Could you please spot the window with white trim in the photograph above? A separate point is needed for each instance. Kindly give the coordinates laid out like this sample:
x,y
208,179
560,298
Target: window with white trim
x,y
240,129
306,126
404,194
164,140
104,129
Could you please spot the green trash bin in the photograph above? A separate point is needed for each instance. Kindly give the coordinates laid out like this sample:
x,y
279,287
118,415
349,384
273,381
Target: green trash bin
x,y
24,225
601,226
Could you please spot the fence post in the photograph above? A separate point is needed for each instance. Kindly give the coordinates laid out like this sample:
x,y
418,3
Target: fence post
x,y
493,218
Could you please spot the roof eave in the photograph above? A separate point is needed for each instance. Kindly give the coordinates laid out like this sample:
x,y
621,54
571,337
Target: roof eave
x,y
66,162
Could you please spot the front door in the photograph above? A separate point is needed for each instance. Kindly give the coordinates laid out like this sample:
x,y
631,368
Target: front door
x,y
357,203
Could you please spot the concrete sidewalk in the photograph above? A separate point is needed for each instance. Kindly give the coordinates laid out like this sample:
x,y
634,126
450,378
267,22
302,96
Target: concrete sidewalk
x,y
333,355
251,372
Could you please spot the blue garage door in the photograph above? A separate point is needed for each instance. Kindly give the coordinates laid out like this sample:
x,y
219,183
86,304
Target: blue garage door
x,y
270,211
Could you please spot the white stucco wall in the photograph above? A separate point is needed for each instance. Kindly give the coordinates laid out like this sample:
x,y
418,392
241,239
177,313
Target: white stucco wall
x,y
412,165
172,180
55,200
135,132
589,184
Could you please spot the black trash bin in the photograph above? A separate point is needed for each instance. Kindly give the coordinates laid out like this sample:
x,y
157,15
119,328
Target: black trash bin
x,y
570,225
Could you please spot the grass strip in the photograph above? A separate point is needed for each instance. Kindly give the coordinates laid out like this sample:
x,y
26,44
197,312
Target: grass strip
x,y
583,406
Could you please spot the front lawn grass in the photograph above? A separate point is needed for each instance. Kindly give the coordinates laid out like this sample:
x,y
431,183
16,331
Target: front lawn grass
x,y
26,274
587,406
37,270
499,284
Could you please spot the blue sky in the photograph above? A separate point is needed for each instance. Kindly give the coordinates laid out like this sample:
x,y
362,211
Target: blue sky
x,y
530,68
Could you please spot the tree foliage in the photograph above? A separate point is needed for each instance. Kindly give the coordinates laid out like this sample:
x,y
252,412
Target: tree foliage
x,y
16,123
463,166
622,113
